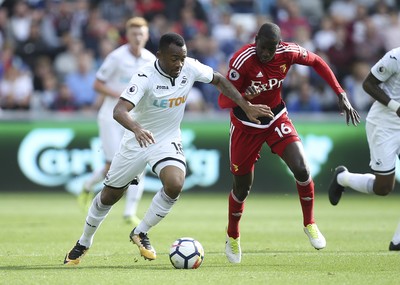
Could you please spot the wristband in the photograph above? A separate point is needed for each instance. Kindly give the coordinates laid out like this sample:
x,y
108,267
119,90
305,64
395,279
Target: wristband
x,y
393,105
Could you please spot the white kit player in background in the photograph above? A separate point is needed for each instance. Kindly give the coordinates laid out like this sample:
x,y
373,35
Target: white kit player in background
x,y
151,109
383,135
111,79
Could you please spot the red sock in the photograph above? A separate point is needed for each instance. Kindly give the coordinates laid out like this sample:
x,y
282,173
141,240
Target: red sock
x,y
234,215
306,195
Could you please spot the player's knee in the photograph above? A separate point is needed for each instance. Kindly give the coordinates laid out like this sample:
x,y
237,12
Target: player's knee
x,y
110,196
301,173
173,186
241,190
383,190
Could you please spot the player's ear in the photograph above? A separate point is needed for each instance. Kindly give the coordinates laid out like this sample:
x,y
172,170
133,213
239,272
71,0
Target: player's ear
x,y
158,54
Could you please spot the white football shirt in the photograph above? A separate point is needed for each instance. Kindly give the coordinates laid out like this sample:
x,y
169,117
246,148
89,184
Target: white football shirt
x,y
116,71
160,100
387,70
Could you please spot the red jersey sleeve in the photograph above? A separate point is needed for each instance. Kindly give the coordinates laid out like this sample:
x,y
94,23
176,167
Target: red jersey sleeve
x,y
236,78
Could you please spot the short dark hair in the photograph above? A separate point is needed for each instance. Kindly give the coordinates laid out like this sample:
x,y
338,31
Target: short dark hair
x,y
270,31
170,38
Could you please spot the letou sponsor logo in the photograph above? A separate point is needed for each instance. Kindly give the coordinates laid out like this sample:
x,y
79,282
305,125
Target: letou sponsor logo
x,y
170,103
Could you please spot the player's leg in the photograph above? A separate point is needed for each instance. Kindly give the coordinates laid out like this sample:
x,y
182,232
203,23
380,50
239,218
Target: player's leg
x,y
123,170
98,211
169,163
236,201
395,242
172,176
294,157
244,151
133,196
236,204
383,145
285,142
367,183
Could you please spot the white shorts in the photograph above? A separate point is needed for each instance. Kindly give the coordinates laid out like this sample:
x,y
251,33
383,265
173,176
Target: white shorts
x,y
111,133
384,147
128,164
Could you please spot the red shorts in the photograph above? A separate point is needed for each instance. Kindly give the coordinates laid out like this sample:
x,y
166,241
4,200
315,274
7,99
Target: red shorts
x,y
245,147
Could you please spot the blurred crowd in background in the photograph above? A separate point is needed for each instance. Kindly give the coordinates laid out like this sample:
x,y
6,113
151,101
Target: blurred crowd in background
x,y
51,49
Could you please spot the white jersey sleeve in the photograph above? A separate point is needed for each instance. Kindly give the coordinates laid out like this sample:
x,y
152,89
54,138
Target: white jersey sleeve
x,y
137,88
202,73
387,70
387,66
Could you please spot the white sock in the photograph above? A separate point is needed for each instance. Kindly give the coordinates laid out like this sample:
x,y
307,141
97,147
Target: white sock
x,y
97,213
396,236
359,182
160,206
133,196
96,177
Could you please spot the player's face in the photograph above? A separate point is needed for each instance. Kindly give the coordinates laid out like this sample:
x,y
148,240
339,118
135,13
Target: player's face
x,y
266,49
137,36
172,59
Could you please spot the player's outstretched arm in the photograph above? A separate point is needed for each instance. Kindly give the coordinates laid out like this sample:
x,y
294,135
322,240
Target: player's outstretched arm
x,y
322,68
345,106
229,90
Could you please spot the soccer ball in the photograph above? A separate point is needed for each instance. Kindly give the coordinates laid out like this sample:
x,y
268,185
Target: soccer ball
x,y
186,253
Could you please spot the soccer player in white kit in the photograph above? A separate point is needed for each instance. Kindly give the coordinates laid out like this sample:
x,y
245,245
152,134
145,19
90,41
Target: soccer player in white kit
x,y
383,135
111,79
151,109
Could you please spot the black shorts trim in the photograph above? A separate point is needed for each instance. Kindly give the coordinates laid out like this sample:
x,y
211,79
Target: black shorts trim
x,y
165,159
386,172
117,188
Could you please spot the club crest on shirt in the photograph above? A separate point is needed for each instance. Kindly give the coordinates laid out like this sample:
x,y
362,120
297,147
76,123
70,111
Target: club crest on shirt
x,y
282,68
133,89
303,52
184,81
233,75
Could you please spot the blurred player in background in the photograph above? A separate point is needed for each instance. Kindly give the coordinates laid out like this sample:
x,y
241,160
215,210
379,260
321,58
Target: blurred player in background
x,y
111,79
257,70
383,135
151,109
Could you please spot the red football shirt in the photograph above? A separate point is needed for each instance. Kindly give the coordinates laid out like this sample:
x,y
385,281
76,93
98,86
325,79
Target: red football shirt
x,y
245,69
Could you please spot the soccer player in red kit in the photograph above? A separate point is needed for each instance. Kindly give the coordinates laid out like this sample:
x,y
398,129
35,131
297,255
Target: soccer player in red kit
x,y
257,70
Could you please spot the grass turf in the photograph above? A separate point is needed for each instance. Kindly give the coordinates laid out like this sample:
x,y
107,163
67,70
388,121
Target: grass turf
x,y
36,231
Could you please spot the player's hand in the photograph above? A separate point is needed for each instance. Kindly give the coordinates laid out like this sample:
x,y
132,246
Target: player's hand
x,y
144,137
252,92
345,106
255,111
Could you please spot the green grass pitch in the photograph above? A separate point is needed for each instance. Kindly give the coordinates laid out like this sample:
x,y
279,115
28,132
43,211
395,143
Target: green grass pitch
x,y
36,231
